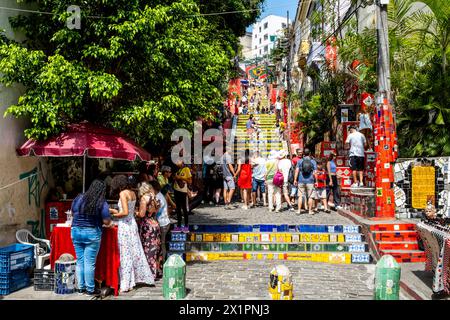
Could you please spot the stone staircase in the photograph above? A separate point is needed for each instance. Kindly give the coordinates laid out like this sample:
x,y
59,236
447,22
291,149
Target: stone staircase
x,y
342,244
267,141
398,240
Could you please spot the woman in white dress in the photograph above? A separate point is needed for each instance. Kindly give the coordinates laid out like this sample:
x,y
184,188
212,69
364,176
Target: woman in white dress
x,y
134,267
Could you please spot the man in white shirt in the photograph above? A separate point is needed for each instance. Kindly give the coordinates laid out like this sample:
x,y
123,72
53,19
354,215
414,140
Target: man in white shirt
x,y
278,107
258,177
358,144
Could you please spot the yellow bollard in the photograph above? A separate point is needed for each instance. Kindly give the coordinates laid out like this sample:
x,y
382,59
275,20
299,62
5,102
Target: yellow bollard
x,y
280,284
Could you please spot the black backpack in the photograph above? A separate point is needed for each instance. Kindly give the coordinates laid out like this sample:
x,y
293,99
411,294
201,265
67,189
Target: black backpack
x,y
218,171
291,175
307,166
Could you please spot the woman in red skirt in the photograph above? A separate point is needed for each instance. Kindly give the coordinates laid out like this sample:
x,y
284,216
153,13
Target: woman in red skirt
x,y
244,172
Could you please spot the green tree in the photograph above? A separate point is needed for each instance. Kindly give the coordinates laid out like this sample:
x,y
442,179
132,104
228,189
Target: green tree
x,y
141,66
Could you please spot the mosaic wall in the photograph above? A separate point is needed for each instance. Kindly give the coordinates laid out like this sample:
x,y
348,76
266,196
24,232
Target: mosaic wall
x,y
416,180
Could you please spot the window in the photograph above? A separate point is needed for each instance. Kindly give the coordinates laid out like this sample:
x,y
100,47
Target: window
x,y
260,51
256,36
283,25
259,29
266,25
256,47
260,40
266,37
266,48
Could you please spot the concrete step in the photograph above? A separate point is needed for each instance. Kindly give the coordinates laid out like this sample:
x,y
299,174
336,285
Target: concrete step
x,y
325,257
398,246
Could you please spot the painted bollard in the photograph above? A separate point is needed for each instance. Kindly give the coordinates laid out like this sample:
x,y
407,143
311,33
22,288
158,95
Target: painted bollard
x,y
387,279
280,283
174,278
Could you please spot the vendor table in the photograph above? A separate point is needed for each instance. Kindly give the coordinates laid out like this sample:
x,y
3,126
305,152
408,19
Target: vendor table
x,y
108,259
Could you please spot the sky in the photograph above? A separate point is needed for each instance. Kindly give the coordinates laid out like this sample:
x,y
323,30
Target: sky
x,y
279,8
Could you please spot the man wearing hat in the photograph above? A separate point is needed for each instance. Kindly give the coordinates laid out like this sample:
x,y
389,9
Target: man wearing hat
x,y
358,144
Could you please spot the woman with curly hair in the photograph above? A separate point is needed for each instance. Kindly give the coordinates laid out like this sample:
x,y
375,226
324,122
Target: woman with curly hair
x,y
149,228
90,211
133,262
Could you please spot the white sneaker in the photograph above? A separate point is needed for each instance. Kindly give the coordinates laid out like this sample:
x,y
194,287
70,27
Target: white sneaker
x,y
338,208
361,185
355,185
245,207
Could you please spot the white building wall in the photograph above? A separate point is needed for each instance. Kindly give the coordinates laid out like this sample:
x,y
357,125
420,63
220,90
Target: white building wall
x,y
262,30
15,207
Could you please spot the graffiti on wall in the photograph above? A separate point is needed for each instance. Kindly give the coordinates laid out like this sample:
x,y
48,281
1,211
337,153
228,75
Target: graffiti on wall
x,y
35,187
418,180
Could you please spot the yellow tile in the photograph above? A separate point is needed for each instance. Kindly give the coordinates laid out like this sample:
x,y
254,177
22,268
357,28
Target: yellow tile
x,y
225,237
295,238
315,237
288,237
305,237
341,238
324,238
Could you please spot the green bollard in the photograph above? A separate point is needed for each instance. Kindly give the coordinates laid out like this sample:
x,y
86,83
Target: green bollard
x,y
387,279
174,278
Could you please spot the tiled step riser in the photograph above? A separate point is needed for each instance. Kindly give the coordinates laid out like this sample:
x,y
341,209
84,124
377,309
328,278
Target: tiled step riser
x,y
280,228
333,258
398,246
393,227
280,247
407,257
396,237
275,238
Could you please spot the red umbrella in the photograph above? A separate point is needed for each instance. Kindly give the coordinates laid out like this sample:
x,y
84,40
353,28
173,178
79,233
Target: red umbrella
x,y
86,140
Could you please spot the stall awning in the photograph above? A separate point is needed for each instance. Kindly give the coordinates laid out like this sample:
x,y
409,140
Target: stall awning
x,y
86,139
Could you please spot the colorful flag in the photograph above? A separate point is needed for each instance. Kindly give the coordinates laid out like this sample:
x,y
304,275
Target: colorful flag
x,y
257,72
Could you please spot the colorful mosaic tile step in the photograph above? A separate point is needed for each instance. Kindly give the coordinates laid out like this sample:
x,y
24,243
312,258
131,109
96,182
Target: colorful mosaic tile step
x,y
398,246
393,227
404,257
275,228
271,237
338,258
280,247
396,236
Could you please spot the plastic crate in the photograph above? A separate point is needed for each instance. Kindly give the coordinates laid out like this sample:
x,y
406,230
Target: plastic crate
x,y
44,280
13,281
16,256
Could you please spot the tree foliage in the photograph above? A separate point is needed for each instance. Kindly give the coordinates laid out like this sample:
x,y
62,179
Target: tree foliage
x,y
142,66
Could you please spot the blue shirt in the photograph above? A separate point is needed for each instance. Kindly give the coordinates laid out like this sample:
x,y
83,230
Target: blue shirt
x,y
306,179
249,124
81,219
332,166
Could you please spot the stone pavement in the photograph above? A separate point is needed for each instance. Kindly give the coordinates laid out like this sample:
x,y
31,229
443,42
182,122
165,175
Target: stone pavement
x,y
260,215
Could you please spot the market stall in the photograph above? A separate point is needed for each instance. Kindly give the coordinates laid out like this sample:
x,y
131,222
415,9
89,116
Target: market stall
x,y
88,141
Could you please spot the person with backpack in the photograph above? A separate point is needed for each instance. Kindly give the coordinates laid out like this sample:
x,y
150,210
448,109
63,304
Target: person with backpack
x,y
295,159
274,184
304,180
284,165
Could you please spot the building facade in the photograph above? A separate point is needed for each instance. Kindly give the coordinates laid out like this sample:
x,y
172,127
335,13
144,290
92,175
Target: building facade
x,y
23,181
263,33
246,45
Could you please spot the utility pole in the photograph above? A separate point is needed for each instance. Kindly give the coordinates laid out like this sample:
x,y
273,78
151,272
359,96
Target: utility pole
x,y
385,127
288,80
384,72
